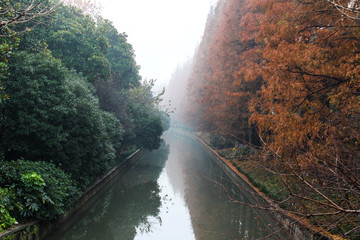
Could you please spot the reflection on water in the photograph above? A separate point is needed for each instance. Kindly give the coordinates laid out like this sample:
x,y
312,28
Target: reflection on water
x,y
172,193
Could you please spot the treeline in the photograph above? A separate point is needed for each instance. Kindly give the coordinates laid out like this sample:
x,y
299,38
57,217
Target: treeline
x,y
176,91
284,76
72,102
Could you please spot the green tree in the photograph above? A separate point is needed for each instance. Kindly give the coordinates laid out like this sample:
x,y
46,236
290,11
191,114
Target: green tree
x,y
17,17
54,115
95,49
74,38
124,73
31,124
121,56
96,134
7,47
148,122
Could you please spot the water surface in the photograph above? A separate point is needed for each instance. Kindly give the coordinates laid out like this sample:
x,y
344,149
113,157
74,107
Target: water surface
x,y
175,192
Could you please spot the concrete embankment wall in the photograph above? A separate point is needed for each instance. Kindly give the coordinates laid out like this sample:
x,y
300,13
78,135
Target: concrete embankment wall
x,y
295,228
36,231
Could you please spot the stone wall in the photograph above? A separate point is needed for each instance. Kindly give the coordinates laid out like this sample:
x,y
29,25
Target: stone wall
x,y
35,230
293,227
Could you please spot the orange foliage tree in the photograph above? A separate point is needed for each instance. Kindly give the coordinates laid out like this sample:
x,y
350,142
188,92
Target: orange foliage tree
x,y
196,104
291,68
222,97
308,110
227,98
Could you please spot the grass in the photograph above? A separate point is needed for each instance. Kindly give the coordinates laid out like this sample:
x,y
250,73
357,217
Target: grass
x,y
266,181
246,161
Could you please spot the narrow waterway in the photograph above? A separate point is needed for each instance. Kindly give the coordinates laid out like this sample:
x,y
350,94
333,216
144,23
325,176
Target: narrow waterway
x,y
175,192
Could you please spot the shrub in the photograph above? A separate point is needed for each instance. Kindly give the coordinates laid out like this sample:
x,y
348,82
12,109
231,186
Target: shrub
x,y
6,220
35,190
220,142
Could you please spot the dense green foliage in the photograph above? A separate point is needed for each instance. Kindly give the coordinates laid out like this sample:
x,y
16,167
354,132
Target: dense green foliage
x,y
17,17
106,60
148,121
75,39
121,56
54,116
6,220
35,189
7,47
75,103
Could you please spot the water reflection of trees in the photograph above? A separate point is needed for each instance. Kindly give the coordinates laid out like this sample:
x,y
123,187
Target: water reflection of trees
x,y
129,206
213,215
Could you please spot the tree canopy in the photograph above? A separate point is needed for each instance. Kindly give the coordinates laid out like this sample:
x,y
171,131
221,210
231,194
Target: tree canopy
x,y
71,101
286,74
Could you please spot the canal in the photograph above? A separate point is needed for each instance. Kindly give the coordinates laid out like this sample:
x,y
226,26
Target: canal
x,y
175,192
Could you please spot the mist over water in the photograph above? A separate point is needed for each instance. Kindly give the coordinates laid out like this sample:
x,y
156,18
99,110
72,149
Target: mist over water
x,y
172,193
176,92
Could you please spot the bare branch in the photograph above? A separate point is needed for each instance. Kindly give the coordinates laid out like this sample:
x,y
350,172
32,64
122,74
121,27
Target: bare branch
x,y
11,16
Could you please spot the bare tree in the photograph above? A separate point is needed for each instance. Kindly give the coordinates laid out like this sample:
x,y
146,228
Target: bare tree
x,y
326,192
25,13
349,8
90,7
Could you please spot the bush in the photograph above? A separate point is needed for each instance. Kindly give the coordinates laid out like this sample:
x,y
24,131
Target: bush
x,y
6,220
220,142
35,190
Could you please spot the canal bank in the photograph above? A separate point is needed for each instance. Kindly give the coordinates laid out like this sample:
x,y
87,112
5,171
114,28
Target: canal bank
x,y
175,192
35,230
298,229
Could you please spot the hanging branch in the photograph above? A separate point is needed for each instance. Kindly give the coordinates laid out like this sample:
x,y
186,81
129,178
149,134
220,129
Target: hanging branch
x,y
13,14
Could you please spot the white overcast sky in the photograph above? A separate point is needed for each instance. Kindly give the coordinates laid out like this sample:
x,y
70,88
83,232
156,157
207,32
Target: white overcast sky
x,y
163,33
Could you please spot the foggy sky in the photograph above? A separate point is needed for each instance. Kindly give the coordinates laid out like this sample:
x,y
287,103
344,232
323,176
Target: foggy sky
x,y
163,33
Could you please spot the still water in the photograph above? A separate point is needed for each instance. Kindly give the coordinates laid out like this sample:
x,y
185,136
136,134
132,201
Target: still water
x,y
175,192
